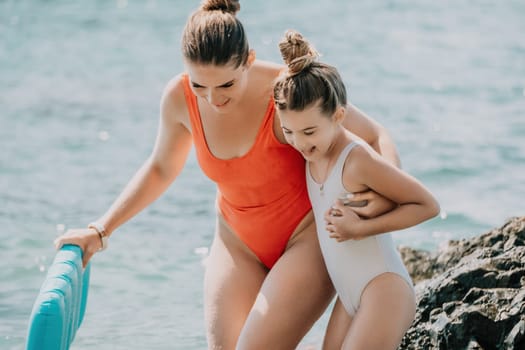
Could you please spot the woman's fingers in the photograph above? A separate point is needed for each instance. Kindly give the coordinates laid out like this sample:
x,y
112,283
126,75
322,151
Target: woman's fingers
x,y
86,239
73,236
86,256
357,200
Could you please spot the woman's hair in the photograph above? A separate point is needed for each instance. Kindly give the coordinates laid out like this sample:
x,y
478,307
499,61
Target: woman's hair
x,y
306,81
214,35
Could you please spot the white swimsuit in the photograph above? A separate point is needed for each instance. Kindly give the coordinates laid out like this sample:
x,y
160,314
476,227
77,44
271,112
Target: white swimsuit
x,y
351,264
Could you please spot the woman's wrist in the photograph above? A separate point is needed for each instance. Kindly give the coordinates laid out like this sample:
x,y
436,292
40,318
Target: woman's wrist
x,y
102,233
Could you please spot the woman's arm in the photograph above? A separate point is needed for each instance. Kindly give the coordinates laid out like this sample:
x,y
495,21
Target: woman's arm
x,y
379,139
165,163
167,159
372,133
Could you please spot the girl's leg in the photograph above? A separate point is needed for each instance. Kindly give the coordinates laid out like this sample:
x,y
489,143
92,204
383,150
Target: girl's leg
x,y
232,280
293,296
337,328
386,311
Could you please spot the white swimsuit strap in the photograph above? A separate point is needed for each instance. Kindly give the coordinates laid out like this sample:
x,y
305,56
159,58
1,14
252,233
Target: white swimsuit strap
x,y
338,167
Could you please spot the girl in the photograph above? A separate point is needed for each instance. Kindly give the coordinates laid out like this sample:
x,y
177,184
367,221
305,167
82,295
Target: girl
x,y
376,302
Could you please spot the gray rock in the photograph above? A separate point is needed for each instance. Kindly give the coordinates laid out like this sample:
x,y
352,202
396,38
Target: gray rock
x,y
470,293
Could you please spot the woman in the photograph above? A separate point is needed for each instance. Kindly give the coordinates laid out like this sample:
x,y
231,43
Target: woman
x,y
265,252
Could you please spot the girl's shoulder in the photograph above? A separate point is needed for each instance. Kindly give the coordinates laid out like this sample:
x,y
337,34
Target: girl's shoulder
x,y
359,151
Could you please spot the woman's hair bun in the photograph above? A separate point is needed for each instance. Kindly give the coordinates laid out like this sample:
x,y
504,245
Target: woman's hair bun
x,y
297,52
230,6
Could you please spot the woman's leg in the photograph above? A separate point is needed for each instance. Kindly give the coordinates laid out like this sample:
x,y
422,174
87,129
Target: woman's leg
x,y
337,328
293,296
386,311
232,280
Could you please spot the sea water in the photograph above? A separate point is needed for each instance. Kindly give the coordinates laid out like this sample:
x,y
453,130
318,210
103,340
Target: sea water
x,y
80,83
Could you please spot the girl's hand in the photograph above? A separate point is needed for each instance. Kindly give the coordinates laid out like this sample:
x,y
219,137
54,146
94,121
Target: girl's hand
x,y
86,238
368,204
342,222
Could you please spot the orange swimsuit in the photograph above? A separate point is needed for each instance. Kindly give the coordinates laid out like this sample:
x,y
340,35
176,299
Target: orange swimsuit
x,y
261,195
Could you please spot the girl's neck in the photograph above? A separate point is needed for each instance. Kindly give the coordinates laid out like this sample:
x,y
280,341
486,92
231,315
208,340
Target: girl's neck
x,y
323,166
340,141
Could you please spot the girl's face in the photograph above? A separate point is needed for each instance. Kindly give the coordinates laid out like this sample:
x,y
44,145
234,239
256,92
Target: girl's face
x,y
310,131
222,87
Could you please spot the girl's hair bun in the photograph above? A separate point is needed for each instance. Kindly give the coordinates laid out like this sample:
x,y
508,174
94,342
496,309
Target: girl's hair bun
x,y
230,6
297,52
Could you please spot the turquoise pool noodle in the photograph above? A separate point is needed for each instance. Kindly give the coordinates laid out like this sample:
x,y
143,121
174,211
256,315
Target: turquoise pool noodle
x,y
59,308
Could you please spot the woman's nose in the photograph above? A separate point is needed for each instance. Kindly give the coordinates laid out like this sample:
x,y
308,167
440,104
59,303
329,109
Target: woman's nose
x,y
212,97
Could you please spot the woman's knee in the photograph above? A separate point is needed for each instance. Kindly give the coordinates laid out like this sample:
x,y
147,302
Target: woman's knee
x,y
279,319
231,284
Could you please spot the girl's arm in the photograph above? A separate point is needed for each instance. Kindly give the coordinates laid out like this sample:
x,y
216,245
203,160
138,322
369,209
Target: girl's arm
x,y
364,167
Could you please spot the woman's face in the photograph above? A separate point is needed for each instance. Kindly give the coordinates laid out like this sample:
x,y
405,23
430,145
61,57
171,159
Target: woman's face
x,y
222,87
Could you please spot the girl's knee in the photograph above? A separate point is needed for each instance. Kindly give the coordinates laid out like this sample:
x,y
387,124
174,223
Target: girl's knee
x,y
390,286
386,311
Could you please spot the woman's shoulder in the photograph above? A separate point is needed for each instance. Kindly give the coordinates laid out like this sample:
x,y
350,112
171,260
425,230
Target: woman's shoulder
x,y
173,98
263,75
175,87
176,84
266,70
269,67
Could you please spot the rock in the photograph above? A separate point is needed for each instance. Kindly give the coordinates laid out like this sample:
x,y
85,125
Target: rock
x,y
470,293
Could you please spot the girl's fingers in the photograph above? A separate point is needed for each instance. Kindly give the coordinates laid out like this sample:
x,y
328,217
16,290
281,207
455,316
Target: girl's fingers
x,y
360,211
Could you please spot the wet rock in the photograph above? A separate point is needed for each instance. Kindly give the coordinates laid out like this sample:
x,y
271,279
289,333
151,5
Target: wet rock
x,y
470,293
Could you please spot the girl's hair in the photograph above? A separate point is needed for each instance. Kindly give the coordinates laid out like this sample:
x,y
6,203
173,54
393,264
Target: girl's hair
x,y
306,81
214,35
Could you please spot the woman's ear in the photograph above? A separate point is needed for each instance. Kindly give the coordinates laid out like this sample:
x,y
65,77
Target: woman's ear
x,y
251,58
340,114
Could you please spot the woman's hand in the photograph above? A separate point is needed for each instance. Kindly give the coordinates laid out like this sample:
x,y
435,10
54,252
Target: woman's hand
x,y
86,238
368,204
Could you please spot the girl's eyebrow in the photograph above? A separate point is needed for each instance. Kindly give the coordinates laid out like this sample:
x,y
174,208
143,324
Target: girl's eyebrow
x,y
222,85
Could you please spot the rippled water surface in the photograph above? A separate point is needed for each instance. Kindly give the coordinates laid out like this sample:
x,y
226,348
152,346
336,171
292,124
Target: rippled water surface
x,y
80,83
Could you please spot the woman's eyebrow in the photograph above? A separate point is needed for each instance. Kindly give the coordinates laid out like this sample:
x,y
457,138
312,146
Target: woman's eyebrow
x,y
222,85
310,128
227,83
196,84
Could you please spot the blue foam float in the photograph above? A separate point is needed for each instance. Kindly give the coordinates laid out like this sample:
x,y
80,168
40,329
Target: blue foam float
x,y
59,308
